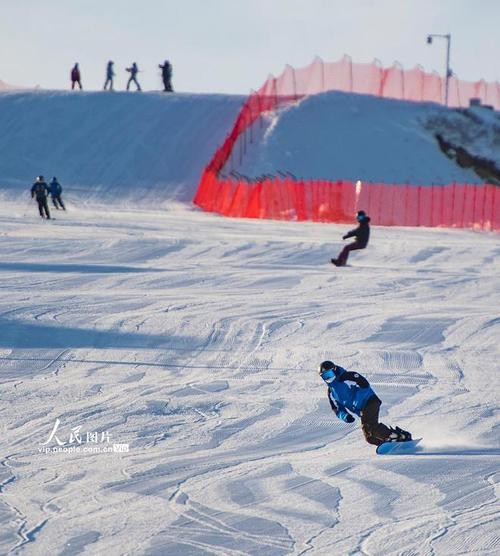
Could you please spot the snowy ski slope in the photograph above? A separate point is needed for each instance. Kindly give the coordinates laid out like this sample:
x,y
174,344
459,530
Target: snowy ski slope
x,y
140,149
194,340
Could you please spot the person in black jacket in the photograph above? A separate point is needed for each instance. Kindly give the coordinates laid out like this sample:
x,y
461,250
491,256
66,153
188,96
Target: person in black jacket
x,y
40,190
362,235
166,75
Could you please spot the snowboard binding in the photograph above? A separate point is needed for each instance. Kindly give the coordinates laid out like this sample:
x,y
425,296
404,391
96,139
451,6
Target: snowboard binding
x,y
399,435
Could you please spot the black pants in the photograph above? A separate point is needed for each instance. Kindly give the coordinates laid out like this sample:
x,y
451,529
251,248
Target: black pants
x,y
344,254
135,81
375,432
57,199
43,207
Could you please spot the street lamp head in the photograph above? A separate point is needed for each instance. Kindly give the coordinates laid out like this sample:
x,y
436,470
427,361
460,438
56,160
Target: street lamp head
x,y
429,39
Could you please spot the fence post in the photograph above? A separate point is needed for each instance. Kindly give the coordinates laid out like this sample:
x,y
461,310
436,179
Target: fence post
x,y
259,110
251,122
322,75
244,130
240,141
294,84
350,74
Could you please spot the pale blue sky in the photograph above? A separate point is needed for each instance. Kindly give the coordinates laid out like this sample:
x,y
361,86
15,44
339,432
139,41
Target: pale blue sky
x,y
231,46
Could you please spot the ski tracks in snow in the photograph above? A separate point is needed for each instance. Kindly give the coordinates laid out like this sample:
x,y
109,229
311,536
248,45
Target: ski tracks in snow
x,y
195,340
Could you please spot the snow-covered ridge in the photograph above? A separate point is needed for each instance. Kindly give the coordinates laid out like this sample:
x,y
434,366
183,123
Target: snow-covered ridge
x,y
338,135
146,149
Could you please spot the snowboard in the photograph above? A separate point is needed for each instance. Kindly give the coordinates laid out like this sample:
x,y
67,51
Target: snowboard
x,y
408,447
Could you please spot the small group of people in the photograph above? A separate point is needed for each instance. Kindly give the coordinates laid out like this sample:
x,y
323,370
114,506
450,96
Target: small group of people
x,y
166,74
40,190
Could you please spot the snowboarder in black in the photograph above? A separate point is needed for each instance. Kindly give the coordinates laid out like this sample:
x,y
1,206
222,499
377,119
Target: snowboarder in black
x,y
110,73
166,75
350,392
40,190
133,70
362,235
55,192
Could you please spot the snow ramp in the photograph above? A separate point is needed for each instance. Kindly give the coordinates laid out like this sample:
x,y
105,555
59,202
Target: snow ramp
x,y
146,149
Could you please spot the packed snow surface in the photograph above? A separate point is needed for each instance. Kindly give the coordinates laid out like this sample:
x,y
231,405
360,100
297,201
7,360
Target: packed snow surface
x,y
338,135
195,340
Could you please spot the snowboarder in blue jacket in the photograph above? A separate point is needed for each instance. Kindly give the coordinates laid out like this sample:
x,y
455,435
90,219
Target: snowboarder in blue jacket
x,y
55,192
350,392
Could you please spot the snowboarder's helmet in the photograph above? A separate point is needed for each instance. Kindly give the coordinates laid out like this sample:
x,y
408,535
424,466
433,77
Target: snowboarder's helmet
x,y
327,371
361,215
40,178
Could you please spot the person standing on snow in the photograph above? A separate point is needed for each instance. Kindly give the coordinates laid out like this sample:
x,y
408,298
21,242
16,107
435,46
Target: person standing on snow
x,y
40,190
76,77
362,235
133,70
110,73
55,192
166,75
359,398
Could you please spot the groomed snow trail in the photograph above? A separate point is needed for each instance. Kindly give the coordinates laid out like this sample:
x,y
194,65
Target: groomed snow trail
x,y
195,340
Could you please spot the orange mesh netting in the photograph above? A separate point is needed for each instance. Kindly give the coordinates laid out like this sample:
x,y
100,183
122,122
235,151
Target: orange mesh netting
x,y
285,198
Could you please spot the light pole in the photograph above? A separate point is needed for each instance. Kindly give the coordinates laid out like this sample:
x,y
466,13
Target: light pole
x,y
448,69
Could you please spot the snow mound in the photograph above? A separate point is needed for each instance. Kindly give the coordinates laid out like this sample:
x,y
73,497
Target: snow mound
x,y
338,135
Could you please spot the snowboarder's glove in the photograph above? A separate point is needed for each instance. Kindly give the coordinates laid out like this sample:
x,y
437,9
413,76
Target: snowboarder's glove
x,y
346,417
345,237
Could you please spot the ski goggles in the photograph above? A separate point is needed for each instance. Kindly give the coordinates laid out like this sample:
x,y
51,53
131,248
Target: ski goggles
x,y
328,376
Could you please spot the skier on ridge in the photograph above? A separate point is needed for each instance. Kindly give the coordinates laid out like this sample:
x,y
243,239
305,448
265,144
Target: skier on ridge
x,y
166,74
110,73
359,398
76,78
133,70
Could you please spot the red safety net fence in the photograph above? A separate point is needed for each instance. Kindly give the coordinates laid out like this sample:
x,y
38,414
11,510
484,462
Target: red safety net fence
x,y
286,198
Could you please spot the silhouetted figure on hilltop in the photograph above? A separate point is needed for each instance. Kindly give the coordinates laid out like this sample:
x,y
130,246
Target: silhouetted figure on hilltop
x,y
166,75
133,70
76,77
110,73
40,190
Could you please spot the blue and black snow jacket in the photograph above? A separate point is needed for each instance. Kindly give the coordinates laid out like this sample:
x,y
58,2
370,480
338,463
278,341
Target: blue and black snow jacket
x,y
55,188
348,391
